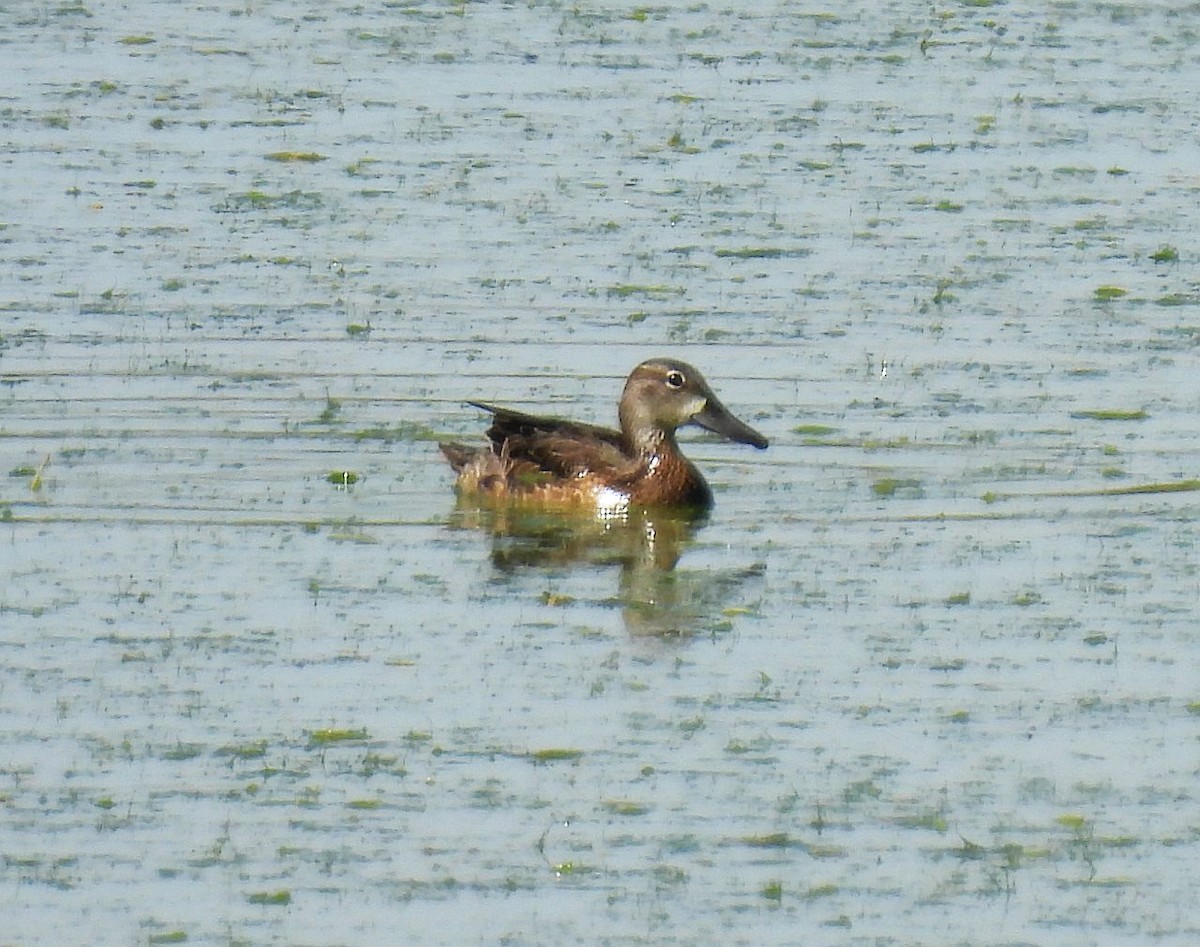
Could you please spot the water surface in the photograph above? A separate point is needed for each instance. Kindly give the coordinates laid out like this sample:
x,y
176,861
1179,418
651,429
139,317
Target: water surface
x,y
932,673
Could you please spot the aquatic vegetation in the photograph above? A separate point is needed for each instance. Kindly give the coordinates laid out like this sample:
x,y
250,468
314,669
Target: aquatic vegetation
x,y
401,431
244,751
889,486
261,200
556,755
272,898
1178,299
364,805
772,840
658,291
1110,292
285,157
342,478
1111,414
1165,254
932,820
814,433
332,735
761,253
625,807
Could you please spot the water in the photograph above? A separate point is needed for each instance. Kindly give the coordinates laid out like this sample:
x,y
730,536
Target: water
x,y
927,675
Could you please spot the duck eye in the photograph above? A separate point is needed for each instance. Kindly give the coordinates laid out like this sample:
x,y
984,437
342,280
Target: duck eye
x,y
675,380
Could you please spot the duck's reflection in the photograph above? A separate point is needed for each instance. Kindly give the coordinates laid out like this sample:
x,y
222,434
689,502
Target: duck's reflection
x,y
656,599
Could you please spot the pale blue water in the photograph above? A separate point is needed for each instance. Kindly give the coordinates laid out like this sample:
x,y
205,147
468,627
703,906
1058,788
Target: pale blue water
x,y
934,686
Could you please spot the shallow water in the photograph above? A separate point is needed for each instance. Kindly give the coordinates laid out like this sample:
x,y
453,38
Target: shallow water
x,y
929,671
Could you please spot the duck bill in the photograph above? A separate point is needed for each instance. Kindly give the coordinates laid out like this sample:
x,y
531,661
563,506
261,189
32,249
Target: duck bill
x,y
716,418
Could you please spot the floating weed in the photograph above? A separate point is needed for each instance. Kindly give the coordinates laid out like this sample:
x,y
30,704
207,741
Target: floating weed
x,y
136,40
555,598
168,937
1177,299
948,207
1025,599
1141,489
625,807
373,763
691,725
555,755
332,735
656,291
342,478
889,486
820,891
814,431
1179,486
310,157
669,874
260,200
404,431
1165,254
773,891
890,443
244,751
569,869
1193,707
364,804
1111,414
357,328
183,751
333,407
272,898
760,253
932,820
959,598
860,791
771,840
361,167
1104,293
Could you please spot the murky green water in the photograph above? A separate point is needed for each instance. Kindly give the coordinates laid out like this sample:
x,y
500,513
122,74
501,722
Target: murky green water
x,y
929,673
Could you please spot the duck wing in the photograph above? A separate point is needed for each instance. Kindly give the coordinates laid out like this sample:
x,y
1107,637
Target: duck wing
x,y
554,445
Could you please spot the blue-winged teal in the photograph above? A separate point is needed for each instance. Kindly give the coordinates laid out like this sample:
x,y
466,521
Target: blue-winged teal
x,y
549,462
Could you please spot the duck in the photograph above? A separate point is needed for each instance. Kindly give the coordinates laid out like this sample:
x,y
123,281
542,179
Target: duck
x,y
553,463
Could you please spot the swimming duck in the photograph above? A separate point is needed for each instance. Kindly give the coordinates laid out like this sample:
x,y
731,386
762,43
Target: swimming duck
x,y
551,462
